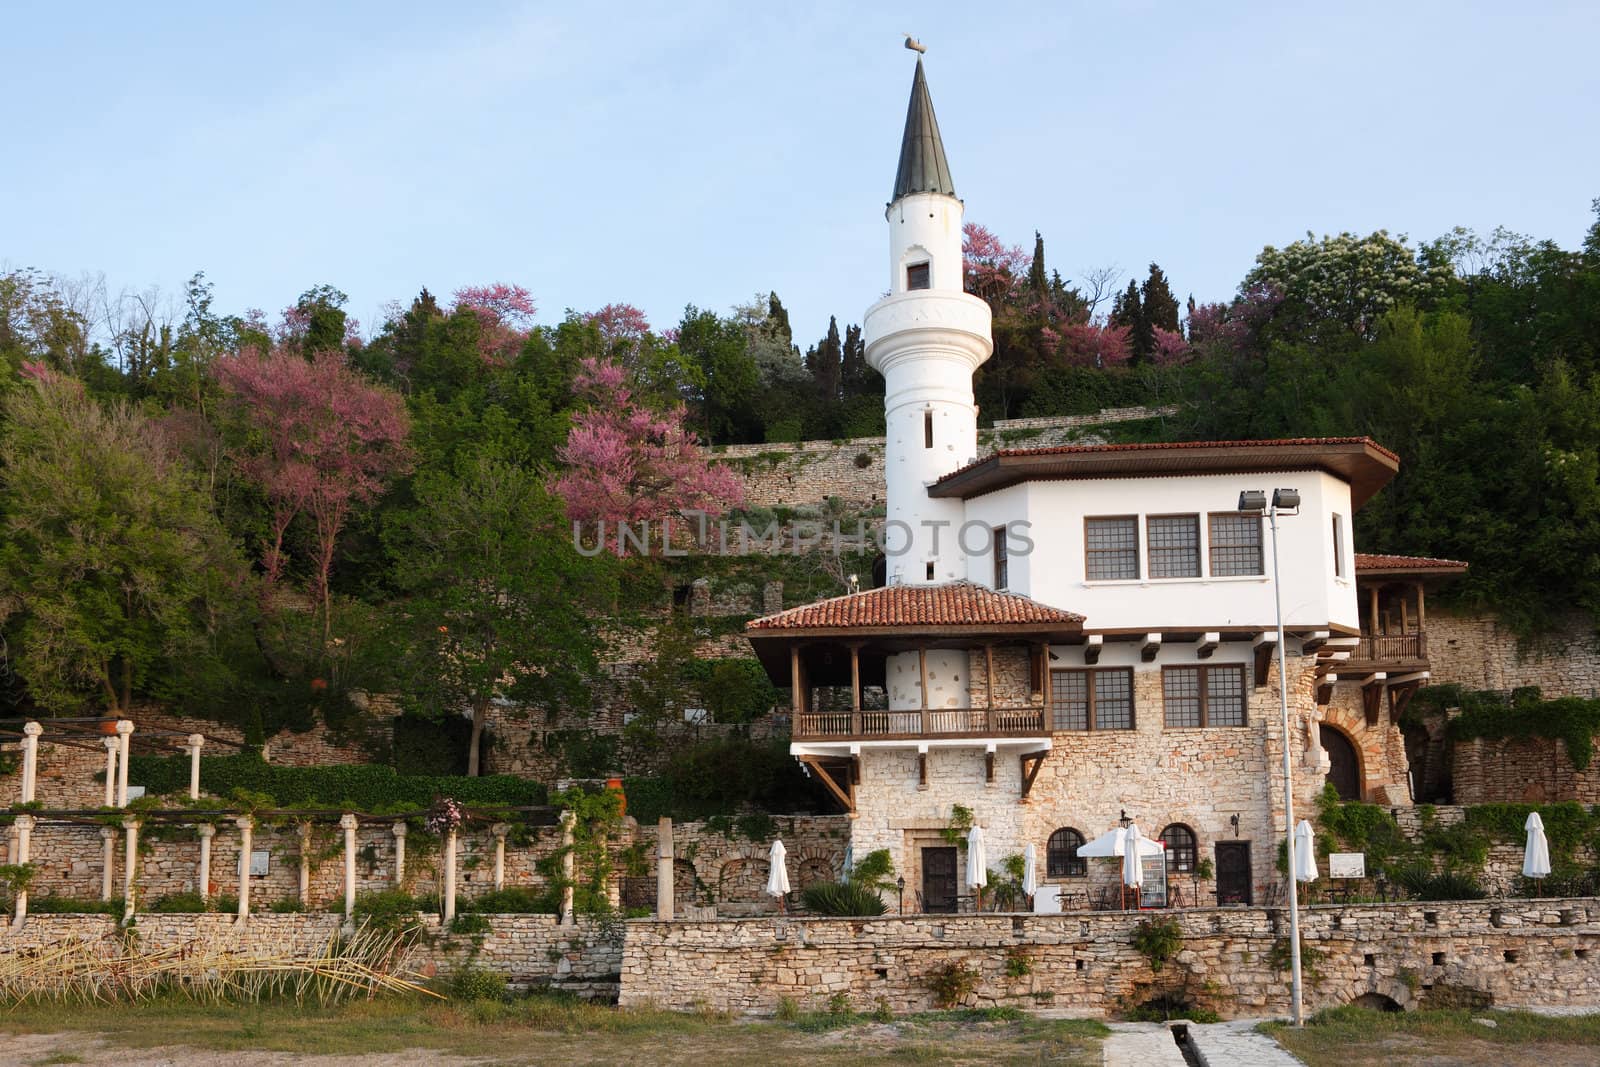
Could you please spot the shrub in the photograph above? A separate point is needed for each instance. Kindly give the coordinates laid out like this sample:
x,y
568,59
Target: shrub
x,y
515,902
389,909
468,923
287,906
950,982
842,898
1158,940
475,984
178,903
54,905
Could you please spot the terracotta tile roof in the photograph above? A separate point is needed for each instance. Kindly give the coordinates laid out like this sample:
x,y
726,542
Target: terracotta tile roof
x,y
1369,561
949,604
1360,461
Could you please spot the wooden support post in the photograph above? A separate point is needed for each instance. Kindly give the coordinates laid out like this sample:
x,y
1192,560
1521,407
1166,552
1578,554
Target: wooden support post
x,y
855,689
988,765
795,702
922,768
1405,615
1422,608
988,675
1030,769
922,665
1265,646
844,794
1371,699
1324,693
1373,619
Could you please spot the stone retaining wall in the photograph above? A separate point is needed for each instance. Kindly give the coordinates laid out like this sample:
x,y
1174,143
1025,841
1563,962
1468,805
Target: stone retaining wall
x,y
1520,771
1517,952
1477,652
533,950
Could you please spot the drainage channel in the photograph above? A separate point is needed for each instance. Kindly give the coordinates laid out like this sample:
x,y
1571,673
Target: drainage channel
x,y
1191,1055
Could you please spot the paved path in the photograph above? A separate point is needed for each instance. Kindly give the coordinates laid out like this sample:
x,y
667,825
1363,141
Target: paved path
x,y
1141,1045
1237,1044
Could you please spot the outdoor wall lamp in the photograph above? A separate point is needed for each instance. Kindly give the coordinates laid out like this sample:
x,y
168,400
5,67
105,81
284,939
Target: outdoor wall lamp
x,y
1234,820
1124,820
1282,500
900,891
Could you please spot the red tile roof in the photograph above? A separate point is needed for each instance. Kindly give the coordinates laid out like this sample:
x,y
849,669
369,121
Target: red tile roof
x,y
1368,561
950,604
1161,446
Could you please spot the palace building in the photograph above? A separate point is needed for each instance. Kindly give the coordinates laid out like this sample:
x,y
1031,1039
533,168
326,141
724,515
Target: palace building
x,y
1070,637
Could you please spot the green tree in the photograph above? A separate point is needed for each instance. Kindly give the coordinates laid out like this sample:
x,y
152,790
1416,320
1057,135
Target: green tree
x,y
111,560
498,602
721,349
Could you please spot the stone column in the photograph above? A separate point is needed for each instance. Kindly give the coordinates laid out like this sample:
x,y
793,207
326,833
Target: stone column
x,y
246,827
124,736
112,745
23,852
500,830
305,865
195,741
108,860
348,823
11,844
30,760
399,831
448,890
567,866
130,873
206,832
664,857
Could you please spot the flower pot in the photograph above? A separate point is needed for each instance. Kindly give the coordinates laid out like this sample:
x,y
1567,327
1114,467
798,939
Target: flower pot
x,y
622,800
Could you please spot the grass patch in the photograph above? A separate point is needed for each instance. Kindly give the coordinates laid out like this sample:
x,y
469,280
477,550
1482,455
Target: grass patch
x,y
1338,1037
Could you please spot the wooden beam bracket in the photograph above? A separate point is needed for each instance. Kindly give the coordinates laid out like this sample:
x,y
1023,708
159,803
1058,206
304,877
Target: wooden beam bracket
x,y
846,794
1030,769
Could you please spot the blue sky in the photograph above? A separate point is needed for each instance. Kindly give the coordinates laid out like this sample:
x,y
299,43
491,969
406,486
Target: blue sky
x,y
701,152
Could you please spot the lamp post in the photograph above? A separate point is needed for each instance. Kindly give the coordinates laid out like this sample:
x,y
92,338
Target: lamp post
x,y
1255,501
900,892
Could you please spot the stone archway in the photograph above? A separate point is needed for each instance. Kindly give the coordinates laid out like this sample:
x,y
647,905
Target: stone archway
x,y
1344,758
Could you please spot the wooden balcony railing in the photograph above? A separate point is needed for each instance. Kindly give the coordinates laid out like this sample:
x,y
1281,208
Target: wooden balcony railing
x,y
920,723
1391,648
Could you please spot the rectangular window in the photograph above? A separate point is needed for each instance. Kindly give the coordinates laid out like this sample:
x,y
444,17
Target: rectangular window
x,y
1235,545
1111,548
1203,696
918,276
1174,545
1002,575
1338,546
927,429
1092,699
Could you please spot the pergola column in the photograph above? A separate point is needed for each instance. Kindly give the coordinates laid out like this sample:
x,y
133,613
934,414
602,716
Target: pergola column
x,y
112,746
131,870
500,830
399,830
855,687
108,860
195,742
305,865
125,739
23,852
206,832
449,889
247,827
30,760
348,823
567,821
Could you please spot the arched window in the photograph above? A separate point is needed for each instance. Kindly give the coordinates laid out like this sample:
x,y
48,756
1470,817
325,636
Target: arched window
x,y
1179,840
1061,855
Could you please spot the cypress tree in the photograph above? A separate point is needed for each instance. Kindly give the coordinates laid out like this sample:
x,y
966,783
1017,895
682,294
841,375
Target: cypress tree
x,y
1159,306
1036,277
855,377
825,362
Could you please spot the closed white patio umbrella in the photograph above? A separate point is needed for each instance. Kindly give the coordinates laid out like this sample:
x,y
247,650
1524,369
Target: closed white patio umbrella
x,y
1536,853
1132,850
977,863
1030,871
778,872
1305,855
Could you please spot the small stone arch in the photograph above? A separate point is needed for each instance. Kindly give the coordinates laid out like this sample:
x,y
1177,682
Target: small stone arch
x,y
683,881
742,880
1376,1002
1380,992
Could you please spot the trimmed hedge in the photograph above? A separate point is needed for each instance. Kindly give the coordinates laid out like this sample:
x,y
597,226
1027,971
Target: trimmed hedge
x,y
360,786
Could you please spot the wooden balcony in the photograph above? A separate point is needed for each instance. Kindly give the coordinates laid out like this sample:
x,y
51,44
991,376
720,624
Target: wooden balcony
x,y
1408,651
919,724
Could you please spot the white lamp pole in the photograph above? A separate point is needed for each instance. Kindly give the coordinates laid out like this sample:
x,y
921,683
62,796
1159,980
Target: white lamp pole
x,y
1289,500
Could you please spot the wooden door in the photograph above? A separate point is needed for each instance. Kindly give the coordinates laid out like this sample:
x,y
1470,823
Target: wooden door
x,y
1344,768
939,879
1233,872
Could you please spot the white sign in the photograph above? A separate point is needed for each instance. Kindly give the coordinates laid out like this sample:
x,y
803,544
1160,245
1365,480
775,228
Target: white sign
x,y
260,863
135,792
1347,865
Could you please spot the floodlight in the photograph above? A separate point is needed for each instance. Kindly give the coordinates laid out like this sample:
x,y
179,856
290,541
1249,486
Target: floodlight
x,y
1253,500
1286,499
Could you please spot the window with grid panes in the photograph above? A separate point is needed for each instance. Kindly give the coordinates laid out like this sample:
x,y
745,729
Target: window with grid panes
x,y
1061,859
1203,696
1180,843
1111,548
1174,546
1099,699
1235,545
1002,569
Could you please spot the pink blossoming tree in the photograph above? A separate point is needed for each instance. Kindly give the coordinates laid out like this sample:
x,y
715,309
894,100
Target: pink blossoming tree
x,y
505,315
627,462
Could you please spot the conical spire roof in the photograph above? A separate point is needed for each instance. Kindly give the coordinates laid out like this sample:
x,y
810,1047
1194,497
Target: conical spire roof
x,y
923,168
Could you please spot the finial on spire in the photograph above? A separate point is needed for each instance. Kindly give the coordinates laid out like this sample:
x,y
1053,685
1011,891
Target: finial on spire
x,y
915,45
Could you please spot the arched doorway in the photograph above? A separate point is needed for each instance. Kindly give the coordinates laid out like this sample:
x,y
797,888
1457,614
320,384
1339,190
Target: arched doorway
x,y
1345,765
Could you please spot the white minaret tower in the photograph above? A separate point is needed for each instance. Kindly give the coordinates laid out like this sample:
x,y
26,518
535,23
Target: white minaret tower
x,y
926,338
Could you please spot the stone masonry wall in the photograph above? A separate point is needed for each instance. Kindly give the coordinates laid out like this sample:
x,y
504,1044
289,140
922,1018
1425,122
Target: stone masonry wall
x,y
1518,953
1520,771
528,949
809,472
1479,653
